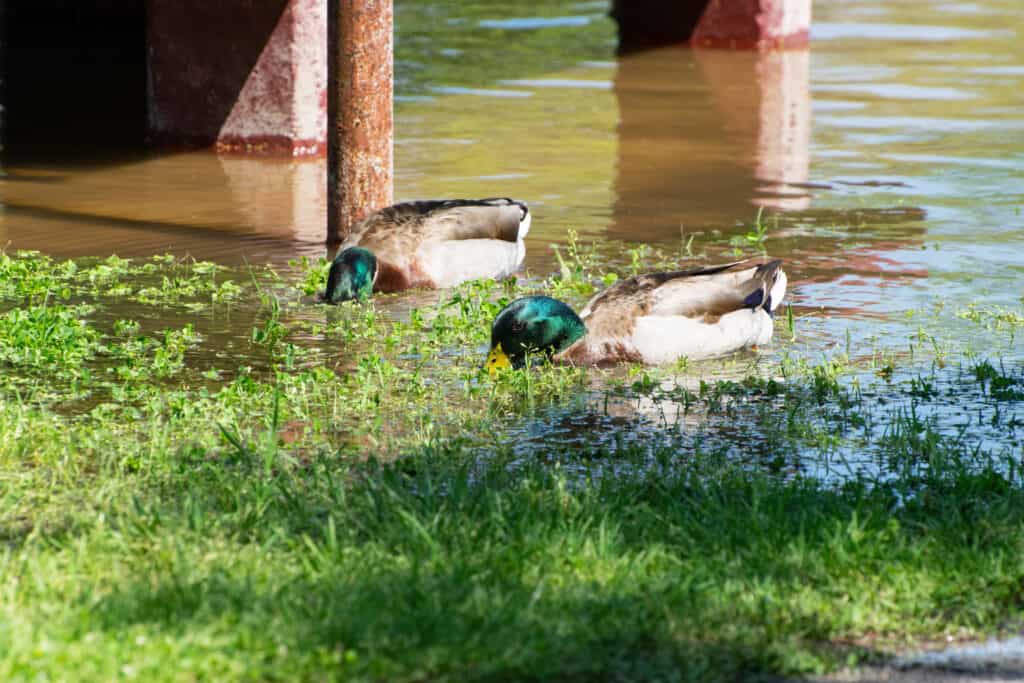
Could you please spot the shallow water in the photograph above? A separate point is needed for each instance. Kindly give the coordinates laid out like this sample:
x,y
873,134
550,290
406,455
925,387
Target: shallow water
x,y
888,157
888,162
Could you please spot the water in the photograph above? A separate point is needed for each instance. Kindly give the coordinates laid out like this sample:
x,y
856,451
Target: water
x,y
887,163
890,154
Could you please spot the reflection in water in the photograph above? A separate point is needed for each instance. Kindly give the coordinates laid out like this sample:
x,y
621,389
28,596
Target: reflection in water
x,y
901,194
709,137
231,210
706,134
784,129
901,153
298,191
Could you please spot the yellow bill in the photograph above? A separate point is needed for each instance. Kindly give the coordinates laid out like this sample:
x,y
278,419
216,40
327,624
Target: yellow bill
x,y
497,360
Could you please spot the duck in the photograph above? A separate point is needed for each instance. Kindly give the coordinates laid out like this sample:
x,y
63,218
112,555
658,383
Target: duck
x,y
652,319
430,244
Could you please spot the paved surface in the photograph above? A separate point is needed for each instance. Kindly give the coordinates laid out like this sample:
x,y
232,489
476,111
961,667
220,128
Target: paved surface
x,y
921,675
989,662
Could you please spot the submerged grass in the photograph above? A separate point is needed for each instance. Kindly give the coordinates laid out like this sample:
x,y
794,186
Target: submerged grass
x,y
340,493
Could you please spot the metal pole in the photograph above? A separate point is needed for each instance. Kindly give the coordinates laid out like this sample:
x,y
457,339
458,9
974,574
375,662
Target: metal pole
x,y
360,127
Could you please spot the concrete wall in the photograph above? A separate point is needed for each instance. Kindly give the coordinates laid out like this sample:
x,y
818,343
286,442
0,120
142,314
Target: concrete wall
x,y
245,75
248,76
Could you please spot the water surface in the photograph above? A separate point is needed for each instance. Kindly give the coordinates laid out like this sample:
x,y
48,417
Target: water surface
x,y
887,162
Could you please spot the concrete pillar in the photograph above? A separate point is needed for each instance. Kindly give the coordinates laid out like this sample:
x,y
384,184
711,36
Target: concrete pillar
x,y
248,76
713,23
360,132
780,24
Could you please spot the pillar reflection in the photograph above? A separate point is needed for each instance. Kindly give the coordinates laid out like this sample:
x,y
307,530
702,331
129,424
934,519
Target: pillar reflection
x,y
708,136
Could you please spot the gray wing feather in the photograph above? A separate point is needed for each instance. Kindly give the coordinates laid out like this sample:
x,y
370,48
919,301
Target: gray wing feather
x,y
710,291
411,223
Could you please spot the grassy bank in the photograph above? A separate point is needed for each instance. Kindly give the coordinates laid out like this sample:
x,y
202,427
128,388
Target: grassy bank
x,y
443,566
207,477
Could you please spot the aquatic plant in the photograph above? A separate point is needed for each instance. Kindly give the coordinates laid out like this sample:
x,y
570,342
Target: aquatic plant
x,y
752,239
272,489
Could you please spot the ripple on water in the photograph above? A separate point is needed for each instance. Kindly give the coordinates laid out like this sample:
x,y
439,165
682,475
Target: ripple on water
x,y
560,83
481,92
897,91
529,23
826,31
903,136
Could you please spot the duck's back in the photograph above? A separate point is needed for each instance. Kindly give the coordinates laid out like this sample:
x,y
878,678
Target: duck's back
x,y
444,242
702,313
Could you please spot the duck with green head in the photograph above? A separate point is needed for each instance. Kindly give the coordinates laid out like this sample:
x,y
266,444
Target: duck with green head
x,y
430,244
655,318
352,275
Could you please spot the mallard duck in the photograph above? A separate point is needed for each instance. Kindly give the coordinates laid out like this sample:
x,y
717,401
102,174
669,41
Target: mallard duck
x,y
430,244
654,318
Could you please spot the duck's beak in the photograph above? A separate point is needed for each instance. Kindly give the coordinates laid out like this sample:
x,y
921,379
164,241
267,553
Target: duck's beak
x,y
496,360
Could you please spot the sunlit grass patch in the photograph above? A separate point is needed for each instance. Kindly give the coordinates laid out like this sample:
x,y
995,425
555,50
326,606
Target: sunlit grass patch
x,y
269,487
51,338
996,317
454,567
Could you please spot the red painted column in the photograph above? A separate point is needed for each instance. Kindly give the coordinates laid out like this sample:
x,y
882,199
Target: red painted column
x,y
246,76
713,23
360,130
754,23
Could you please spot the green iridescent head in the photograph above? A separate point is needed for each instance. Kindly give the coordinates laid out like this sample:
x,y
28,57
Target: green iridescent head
x,y
533,324
352,275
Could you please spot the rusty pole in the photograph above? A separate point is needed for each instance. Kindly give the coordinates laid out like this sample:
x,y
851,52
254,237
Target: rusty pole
x,y
360,127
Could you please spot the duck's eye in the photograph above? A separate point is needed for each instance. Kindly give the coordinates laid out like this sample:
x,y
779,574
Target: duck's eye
x,y
518,326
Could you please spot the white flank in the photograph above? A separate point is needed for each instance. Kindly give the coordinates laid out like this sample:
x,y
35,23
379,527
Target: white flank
x,y
451,262
524,226
778,292
666,338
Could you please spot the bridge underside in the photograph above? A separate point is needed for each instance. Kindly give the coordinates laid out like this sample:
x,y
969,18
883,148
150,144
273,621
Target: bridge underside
x,y
73,74
249,77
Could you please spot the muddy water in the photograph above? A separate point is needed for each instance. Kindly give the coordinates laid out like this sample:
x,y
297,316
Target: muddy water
x,y
888,157
888,161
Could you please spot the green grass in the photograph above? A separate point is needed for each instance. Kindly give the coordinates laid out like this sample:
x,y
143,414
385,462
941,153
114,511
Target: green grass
x,y
223,481
753,239
238,563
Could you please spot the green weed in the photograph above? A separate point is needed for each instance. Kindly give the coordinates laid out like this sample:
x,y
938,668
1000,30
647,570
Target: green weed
x,y
752,239
278,490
